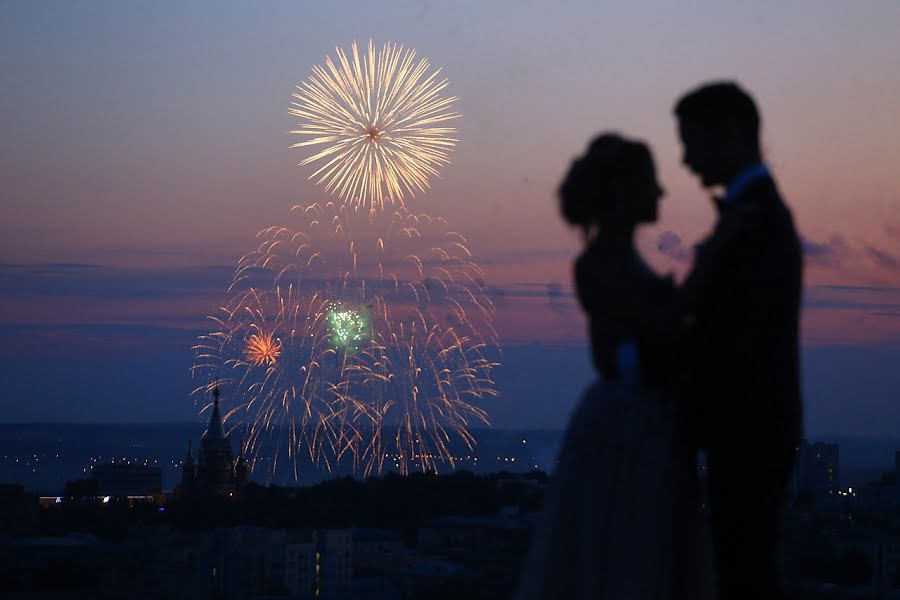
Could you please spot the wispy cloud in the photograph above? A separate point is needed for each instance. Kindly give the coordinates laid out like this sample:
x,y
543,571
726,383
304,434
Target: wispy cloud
x,y
831,252
527,256
828,253
882,258
92,280
872,300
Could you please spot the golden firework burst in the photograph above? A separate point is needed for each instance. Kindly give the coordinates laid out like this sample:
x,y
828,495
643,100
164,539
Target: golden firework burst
x,y
380,121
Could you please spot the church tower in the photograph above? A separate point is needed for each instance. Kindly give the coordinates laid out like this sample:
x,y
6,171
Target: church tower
x,y
215,471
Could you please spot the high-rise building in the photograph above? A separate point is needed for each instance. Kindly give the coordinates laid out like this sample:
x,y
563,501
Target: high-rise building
x,y
816,471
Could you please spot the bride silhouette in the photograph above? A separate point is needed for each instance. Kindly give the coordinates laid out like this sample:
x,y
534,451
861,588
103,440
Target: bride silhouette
x,y
622,518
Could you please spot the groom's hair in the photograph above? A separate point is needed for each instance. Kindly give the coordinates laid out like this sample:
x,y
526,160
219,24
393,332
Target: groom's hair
x,y
721,102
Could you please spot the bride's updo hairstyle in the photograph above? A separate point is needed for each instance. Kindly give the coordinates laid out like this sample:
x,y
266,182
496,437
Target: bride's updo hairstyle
x,y
588,193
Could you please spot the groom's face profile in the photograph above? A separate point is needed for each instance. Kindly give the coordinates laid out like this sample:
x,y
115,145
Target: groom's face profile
x,y
703,151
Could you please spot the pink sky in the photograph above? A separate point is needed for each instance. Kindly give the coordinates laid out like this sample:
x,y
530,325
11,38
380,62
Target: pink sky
x,y
149,142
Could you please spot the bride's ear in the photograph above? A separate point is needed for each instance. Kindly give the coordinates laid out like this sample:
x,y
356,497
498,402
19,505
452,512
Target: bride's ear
x,y
618,200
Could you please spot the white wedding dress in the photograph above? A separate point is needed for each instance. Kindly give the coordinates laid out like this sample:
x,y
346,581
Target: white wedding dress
x,y
622,518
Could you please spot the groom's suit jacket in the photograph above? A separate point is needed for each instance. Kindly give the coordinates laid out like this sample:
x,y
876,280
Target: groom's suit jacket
x,y
745,383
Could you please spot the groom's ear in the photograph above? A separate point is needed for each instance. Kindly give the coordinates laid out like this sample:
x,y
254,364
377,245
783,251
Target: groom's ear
x,y
730,133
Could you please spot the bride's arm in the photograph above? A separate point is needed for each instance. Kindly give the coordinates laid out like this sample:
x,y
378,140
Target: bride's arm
x,y
616,297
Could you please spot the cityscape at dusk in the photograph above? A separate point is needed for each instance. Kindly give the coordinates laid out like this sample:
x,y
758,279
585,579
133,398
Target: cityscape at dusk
x,y
397,312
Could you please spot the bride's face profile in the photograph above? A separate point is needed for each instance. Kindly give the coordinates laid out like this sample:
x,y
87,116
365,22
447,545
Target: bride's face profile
x,y
645,193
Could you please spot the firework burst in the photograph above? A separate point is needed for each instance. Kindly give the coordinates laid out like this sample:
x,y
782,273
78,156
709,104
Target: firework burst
x,y
379,123
262,349
362,333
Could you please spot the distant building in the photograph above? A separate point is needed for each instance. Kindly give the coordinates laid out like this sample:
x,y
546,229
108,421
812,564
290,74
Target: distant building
x,y
19,511
884,493
880,548
234,563
335,560
505,532
216,473
123,481
816,472
76,566
379,551
120,480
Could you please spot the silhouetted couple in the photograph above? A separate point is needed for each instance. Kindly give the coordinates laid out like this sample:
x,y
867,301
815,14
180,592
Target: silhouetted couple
x,y
708,367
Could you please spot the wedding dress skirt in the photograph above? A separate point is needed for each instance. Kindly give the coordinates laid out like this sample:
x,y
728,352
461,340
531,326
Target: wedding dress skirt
x,y
622,518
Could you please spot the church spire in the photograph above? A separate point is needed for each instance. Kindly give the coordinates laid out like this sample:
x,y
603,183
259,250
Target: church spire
x,y
215,430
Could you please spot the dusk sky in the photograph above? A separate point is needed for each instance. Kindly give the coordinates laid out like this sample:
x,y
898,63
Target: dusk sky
x,y
144,145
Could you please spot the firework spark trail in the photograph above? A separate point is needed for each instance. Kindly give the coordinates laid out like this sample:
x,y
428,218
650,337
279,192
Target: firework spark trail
x,y
422,381
355,321
295,388
380,120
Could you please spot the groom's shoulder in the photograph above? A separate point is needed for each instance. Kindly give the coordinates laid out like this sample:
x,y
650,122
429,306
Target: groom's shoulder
x,y
766,195
773,227
763,192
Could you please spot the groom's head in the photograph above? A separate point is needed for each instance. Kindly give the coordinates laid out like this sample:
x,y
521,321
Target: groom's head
x,y
719,128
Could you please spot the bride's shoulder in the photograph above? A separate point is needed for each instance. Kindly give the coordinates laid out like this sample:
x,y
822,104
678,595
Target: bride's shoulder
x,y
601,258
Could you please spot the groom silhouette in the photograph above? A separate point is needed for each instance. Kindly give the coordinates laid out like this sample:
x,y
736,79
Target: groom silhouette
x,y
744,389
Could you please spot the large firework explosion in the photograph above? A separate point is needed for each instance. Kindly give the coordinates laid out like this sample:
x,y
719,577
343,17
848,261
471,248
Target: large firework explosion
x,y
379,123
362,333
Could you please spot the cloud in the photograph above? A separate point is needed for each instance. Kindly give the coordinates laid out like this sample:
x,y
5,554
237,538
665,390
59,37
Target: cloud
x,y
832,252
559,298
883,259
669,243
829,253
67,280
872,300
892,230
527,256
47,268
550,291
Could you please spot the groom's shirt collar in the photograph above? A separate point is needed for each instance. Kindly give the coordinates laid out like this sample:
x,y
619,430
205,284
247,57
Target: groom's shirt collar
x,y
743,180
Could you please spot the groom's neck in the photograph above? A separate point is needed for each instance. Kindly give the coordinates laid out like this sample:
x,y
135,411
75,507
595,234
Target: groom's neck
x,y
739,162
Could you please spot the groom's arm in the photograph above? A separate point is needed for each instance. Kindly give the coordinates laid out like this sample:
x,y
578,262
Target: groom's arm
x,y
718,253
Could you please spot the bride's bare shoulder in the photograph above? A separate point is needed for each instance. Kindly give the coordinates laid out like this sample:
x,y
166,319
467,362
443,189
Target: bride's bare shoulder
x,y
601,260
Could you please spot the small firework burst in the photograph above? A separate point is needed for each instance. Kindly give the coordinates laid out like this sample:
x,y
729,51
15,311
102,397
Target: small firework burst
x,y
348,326
262,349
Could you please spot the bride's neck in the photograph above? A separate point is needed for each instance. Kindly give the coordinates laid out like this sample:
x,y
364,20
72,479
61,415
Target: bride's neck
x,y
623,235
